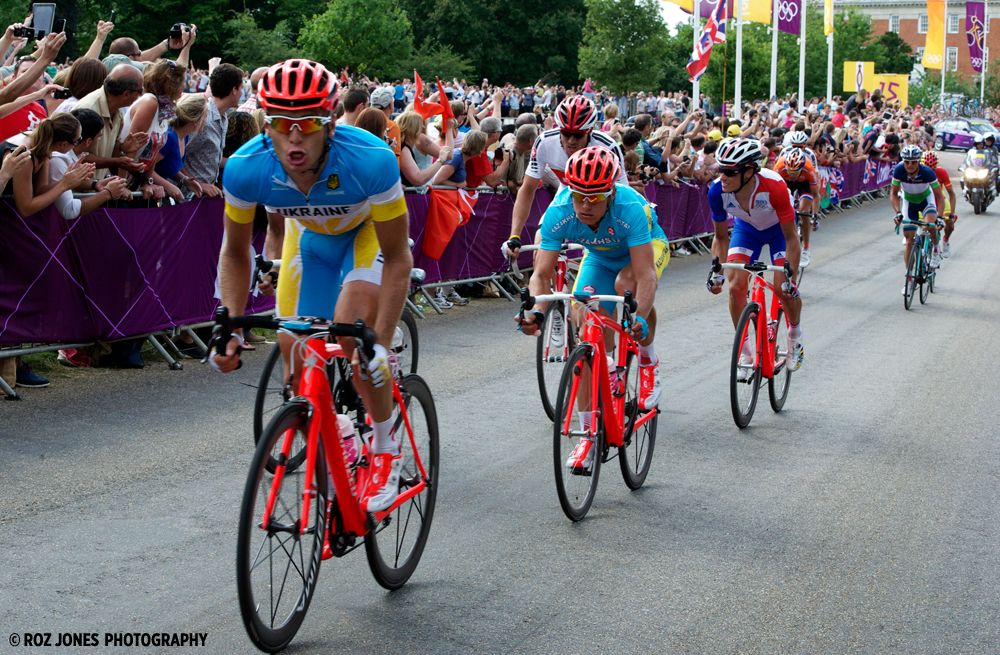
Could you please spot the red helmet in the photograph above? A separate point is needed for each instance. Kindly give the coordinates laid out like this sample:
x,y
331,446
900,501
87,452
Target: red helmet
x,y
930,159
296,84
592,170
576,113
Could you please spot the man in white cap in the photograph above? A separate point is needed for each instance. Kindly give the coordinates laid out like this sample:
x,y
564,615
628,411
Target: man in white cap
x,y
381,99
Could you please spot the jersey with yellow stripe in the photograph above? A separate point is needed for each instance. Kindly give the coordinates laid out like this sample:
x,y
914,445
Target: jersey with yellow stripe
x,y
359,183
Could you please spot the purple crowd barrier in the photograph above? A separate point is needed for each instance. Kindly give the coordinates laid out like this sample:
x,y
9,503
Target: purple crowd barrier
x,y
111,274
119,273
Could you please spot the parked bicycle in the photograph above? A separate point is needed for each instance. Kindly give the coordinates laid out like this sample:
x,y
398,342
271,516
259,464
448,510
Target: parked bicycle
x,y
558,336
761,346
301,504
608,388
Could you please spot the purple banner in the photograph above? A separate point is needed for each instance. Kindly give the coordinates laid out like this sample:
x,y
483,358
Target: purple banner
x,y
790,16
975,32
119,273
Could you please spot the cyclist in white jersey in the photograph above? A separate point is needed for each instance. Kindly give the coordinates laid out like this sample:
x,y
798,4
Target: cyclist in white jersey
x,y
575,119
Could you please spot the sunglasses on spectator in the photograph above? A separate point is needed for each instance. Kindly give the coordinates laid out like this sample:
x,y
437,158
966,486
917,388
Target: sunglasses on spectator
x,y
571,134
305,125
731,172
590,198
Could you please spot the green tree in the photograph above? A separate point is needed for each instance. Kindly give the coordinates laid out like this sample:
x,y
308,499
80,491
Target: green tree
x,y
675,58
369,36
434,59
897,55
623,44
250,45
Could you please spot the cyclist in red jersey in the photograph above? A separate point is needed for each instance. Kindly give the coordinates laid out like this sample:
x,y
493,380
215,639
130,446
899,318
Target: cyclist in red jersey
x,y
948,216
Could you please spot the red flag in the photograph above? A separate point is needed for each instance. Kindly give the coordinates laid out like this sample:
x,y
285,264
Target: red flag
x,y
446,113
447,211
421,106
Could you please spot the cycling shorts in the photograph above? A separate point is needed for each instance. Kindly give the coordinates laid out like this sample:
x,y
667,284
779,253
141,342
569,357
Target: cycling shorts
x,y
800,189
915,211
747,242
315,266
597,274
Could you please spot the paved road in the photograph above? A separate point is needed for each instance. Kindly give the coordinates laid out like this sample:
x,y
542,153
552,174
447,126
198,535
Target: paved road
x,y
863,519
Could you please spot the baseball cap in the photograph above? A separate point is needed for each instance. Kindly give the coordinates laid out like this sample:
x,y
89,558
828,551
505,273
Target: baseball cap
x,y
382,97
715,135
733,130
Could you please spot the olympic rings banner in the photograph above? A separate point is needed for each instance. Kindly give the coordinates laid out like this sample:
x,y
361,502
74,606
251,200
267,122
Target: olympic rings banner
x,y
118,273
975,32
790,16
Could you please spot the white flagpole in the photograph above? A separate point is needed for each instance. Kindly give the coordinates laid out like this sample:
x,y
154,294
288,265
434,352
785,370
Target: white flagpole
x,y
802,56
829,67
944,52
986,58
775,6
738,91
696,21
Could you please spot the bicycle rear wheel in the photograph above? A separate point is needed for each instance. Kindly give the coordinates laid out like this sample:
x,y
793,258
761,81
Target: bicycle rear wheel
x,y
277,567
406,342
575,488
395,545
636,455
912,271
551,352
777,386
744,377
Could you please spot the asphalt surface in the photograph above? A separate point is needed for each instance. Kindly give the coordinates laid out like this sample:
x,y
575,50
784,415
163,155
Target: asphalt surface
x,y
862,519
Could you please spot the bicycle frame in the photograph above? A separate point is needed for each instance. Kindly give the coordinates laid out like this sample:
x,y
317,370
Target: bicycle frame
x,y
768,315
314,391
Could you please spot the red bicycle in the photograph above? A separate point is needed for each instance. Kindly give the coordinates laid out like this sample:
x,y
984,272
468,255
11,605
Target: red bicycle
x,y
558,337
760,348
301,504
608,387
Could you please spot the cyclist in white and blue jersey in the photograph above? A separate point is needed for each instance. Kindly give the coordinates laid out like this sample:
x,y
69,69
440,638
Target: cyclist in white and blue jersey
x,y
918,185
345,254
626,250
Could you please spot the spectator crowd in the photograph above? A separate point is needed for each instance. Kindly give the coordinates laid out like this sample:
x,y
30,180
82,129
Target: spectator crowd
x,y
139,127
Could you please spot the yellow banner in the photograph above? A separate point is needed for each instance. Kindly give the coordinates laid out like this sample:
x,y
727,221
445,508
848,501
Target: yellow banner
x,y
686,5
895,88
859,75
828,17
934,45
757,11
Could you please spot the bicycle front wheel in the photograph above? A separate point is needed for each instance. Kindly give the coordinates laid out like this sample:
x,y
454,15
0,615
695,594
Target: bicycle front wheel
x,y
912,271
277,567
575,486
777,386
745,370
636,455
395,545
552,350
924,272
271,391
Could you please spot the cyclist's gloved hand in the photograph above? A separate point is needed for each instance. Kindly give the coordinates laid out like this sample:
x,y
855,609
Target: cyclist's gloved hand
x,y
231,361
640,328
510,247
789,289
379,371
898,219
530,323
715,282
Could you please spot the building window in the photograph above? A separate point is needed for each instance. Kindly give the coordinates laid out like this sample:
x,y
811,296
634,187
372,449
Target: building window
x,y
953,59
894,24
922,24
952,23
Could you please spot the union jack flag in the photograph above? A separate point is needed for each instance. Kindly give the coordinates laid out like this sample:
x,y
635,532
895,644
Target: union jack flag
x,y
713,32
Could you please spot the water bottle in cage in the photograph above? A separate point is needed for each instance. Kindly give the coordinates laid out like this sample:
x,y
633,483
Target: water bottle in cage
x,y
615,376
350,440
772,329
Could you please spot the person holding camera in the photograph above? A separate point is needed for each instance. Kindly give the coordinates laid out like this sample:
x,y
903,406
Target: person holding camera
x,y
28,79
120,89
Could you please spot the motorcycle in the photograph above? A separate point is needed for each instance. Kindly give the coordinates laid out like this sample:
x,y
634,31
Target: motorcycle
x,y
978,182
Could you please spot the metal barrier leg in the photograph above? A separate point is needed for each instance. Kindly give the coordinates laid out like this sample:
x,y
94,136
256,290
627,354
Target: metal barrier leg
x,y
8,391
171,362
197,340
430,300
413,308
495,279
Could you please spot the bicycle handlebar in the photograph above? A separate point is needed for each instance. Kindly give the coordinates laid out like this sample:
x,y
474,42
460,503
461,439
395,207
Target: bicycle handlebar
x,y
533,247
753,267
628,301
909,221
264,267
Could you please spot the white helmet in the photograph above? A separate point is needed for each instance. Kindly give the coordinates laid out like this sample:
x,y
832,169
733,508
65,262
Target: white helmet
x,y
799,139
738,152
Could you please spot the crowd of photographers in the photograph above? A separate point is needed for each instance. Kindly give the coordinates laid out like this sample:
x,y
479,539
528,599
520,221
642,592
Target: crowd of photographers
x,y
138,127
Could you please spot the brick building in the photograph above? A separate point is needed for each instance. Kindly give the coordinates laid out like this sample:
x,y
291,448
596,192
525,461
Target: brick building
x,y
909,19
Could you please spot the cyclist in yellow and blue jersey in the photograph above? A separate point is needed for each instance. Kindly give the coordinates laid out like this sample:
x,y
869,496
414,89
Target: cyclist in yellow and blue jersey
x,y
345,254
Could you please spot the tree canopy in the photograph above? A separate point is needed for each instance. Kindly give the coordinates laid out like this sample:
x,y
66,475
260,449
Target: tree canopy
x,y
624,44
